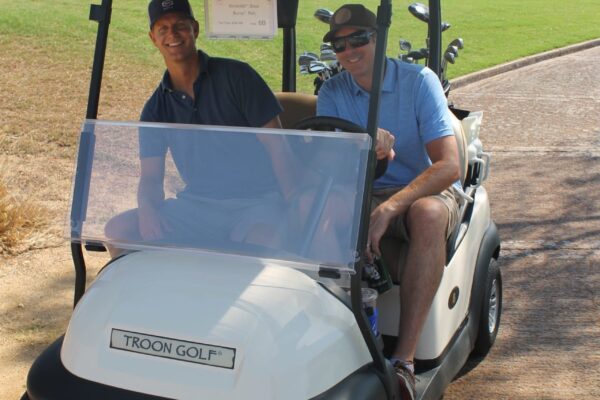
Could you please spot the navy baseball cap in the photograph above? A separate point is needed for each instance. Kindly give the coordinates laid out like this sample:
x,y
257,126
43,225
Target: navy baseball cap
x,y
158,8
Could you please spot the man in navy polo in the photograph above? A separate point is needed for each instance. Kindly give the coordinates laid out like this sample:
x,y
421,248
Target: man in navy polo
x,y
198,89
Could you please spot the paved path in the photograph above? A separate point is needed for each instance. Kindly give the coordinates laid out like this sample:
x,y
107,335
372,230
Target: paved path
x,y
542,125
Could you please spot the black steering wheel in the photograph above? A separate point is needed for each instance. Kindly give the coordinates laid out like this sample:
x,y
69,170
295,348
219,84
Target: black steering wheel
x,y
333,123
328,124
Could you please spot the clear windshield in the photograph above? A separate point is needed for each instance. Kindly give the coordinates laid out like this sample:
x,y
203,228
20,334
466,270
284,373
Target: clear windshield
x,y
277,194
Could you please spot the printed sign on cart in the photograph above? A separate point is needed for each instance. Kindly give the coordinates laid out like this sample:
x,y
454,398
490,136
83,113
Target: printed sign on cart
x,y
158,346
239,19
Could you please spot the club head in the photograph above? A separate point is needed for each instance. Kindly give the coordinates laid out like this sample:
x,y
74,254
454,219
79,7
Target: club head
x,y
417,55
307,57
445,26
304,69
316,67
451,58
458,42
328,55
323,15
404,45
420,11
325,46
453,50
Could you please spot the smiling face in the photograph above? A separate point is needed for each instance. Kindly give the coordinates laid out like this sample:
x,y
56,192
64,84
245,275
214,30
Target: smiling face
x,y
174,35
358,61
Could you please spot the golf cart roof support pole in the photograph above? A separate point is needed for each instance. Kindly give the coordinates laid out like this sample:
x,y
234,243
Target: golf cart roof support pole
x,y
287,13
288,80
101,14
384,16
435,37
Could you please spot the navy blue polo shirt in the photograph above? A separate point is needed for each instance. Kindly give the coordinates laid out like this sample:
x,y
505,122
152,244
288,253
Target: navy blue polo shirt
x,y
227,92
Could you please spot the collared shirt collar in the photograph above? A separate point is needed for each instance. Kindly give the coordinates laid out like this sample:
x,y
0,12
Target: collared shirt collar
x,y
166,84
389,79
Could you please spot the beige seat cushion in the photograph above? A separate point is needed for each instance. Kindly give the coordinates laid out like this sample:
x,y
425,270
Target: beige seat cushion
x,y
296,107
461,141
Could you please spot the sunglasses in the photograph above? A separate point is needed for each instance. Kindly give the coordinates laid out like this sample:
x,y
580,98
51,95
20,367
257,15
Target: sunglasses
x,y
354,40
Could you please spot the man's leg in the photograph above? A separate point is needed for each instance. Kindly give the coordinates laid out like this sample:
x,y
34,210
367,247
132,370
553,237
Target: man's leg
x,y
427,220
122,226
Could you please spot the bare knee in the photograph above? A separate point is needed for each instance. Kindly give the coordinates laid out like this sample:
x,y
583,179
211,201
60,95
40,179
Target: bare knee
x,y
123,226
427,217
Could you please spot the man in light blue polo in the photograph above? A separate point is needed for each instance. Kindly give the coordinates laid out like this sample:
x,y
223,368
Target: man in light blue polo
x,y
416,199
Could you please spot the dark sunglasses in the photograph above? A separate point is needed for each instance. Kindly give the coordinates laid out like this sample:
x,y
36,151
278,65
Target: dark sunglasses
x,y
354,40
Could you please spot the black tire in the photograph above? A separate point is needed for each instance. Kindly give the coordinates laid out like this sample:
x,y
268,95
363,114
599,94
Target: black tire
x,y
25,396
491,309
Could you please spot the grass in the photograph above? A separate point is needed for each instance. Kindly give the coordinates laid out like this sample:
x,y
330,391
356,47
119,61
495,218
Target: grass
x,y
494,32
21,223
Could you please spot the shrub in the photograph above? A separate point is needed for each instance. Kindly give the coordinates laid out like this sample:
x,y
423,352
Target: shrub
x,y
21,223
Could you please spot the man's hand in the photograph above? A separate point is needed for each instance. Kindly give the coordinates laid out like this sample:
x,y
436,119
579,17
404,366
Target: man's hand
x,y
385,144
380,220
152,225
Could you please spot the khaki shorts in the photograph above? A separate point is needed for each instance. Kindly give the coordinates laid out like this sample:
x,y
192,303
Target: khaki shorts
x,y
394,255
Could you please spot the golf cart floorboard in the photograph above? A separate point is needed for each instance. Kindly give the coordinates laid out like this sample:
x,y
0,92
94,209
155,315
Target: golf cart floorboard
x,y
49,379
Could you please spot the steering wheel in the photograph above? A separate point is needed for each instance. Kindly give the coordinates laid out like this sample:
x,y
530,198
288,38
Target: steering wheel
x,y
333,123
328,124
324,190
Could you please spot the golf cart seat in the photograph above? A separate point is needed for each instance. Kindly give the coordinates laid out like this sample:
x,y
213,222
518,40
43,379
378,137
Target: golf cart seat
x,y
296,107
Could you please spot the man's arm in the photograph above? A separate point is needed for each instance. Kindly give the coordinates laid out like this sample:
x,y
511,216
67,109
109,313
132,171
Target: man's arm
x,y
443,172
275,123
285,165
150,196
326,106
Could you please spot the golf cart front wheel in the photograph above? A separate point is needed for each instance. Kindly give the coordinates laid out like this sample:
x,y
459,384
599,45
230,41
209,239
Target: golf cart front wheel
x,y
25,396
491,310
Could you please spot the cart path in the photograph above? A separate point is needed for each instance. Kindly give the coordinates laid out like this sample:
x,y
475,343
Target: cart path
x,y
542,125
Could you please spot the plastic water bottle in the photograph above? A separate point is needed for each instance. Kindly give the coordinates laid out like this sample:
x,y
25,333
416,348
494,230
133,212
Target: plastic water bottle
x,y
369,300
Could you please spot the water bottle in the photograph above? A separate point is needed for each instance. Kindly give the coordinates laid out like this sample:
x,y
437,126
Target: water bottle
x,y
369,300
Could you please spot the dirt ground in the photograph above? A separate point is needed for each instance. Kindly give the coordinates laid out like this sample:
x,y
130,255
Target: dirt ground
x,y
541,124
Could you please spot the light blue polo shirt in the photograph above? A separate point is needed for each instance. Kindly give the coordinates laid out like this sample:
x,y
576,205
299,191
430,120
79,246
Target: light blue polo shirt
x,y
413,108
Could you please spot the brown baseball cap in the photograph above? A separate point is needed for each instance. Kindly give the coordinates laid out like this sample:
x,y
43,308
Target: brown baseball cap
x,y
354,15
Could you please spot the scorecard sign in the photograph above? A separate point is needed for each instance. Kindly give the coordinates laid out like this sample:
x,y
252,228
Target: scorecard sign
x,y
240,19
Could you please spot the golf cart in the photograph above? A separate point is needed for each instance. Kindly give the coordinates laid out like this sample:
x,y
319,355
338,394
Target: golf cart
x,y
220,318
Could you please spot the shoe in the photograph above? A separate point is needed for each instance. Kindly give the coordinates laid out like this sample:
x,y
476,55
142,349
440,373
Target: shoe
x,y
406,380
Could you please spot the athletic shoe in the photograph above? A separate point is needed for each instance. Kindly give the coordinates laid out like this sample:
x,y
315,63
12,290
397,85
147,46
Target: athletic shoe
x,y
406,380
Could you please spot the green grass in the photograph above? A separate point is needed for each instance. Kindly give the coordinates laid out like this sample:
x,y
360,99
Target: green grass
x,y
494,31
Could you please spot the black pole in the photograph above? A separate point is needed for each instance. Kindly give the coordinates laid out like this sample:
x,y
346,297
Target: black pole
x,y
435,37
101,14
384,16
288,81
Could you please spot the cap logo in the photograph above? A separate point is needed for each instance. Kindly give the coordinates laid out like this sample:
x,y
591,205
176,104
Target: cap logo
x,y
342,16
167,4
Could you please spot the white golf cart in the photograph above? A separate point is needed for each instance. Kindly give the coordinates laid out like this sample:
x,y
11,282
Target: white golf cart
x,y
214,317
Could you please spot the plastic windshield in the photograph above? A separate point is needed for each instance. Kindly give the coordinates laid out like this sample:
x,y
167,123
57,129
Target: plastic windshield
x,y
276,194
